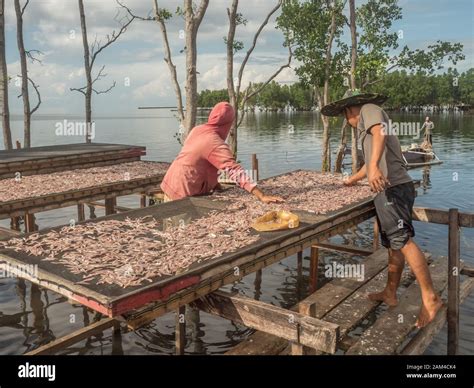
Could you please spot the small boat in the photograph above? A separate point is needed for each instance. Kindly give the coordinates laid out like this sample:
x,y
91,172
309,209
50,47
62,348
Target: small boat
x,y
414,155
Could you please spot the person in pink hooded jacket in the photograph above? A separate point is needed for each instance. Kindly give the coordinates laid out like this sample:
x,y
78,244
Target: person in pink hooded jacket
x,y
205,153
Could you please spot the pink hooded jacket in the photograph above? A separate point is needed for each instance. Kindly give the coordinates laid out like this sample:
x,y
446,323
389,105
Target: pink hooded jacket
x,y
204,153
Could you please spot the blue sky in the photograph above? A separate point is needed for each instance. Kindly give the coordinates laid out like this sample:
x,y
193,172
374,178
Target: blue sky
x,y
53,27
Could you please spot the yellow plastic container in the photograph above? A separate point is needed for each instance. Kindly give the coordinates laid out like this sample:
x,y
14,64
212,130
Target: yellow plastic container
x,y
276,220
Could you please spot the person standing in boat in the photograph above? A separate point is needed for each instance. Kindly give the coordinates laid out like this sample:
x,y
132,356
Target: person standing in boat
x,y
428,126
394,196
205,152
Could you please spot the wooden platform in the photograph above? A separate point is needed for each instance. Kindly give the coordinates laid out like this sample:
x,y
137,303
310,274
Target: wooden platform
x,y
73,197
43,160
169,293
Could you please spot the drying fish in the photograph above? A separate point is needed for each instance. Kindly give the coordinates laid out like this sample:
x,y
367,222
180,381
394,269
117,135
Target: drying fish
x,y
58,182
310,191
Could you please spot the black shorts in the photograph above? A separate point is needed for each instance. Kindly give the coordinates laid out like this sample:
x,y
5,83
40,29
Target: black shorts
x,y
394,208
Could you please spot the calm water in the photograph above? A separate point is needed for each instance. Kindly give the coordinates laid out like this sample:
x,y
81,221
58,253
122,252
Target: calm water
x,y
30,317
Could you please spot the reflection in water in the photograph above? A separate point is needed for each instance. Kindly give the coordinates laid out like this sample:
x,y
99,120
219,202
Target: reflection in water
x,y
425,180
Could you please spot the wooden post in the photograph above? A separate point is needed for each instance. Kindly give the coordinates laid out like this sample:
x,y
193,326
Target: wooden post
x,y
376,234
143,200
314,260
180,337
299,273
453,282
258,284
81,214
110,205
30,223
255,171
15,223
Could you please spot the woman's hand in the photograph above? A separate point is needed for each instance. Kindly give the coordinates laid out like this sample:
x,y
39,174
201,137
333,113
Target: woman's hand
x,y
265,198
271,199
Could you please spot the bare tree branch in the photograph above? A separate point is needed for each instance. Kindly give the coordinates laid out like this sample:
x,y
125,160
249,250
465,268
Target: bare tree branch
x,y
110,39
104,91
157,16
23,8
254,43
36,87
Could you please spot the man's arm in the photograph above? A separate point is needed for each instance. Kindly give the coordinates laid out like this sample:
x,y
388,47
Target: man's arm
x,y
377,180
358,176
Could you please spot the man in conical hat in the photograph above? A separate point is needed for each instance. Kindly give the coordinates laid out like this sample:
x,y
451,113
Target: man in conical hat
x,y
394,193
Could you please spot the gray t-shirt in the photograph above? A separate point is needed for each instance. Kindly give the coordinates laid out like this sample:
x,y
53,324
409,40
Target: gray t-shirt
x,y
391,163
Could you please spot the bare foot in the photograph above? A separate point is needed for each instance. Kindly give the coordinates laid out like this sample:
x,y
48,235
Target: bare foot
x,y
385,297
428,312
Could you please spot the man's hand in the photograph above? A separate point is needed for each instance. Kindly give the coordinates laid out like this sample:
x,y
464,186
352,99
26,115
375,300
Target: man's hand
x,y
349,181
376,179
271,199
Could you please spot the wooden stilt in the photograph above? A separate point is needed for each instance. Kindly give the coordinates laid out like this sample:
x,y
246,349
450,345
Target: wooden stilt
x,y
255,171
453,281
299,274
110,204
314,260
180,338
143,200
81,214
15,223
30,223
258,284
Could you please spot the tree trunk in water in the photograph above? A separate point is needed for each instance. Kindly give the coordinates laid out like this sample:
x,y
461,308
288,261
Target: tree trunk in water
x,y
191,78
326,165
24,77
88,70
355,134
342,146
7,136
233,98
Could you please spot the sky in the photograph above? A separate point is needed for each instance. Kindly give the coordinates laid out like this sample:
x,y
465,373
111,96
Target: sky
x,y
135,62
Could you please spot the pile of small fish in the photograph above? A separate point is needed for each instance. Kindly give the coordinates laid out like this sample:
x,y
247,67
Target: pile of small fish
x,y
37,185
134,251
309,191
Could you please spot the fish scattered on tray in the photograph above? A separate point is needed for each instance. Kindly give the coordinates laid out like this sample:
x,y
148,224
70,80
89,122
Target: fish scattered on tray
x,y
44,184
309,191
132,252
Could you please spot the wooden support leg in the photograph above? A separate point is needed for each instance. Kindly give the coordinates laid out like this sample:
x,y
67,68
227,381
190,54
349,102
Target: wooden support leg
x,y
92,214
180,337
314,260
110,206
255,171
376,235
81,214
143,200
30,223
298,349
258,284
15,223
453,282
299,273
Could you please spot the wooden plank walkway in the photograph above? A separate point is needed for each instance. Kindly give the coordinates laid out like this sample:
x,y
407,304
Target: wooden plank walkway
x,y
390,330
342,302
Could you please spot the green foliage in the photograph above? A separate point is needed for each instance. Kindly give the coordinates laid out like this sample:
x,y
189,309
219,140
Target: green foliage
x,y
209,98
305,25
405,89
